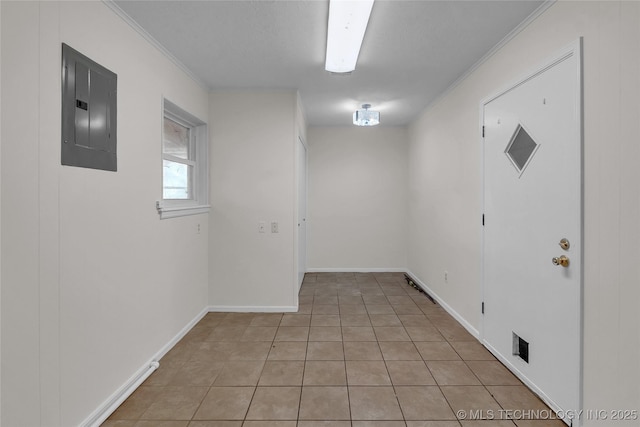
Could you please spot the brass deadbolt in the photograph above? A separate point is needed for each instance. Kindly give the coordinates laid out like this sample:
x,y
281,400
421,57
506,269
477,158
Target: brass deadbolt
x,y
564,244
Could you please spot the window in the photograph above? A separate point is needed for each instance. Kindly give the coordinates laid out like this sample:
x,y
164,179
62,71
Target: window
x,y
521,149
184,164
177,160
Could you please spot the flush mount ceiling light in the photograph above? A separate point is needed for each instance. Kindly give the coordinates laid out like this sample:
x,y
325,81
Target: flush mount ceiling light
x,y
347,23
366,117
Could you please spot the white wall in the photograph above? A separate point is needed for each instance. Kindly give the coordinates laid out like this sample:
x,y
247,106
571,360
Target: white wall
x,y
0,218
253,176
357,198
93,283
445,186
20,293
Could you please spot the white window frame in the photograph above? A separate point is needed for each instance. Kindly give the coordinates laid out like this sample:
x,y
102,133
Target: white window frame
x,y
199,202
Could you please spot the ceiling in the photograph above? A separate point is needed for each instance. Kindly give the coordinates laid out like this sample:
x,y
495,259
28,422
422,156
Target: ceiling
x,y
412,50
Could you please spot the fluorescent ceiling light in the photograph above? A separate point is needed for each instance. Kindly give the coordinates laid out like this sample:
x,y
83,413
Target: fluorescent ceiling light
x,y
347,23
366,117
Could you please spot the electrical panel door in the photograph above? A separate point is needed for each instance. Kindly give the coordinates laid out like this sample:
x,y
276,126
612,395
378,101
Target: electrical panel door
x,y
89,112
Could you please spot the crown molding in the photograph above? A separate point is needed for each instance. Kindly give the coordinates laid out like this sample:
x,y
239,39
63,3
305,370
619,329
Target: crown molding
x,y
506,39
153,42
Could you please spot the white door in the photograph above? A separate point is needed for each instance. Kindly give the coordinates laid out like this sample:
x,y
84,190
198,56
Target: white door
x,y
532,201
302,211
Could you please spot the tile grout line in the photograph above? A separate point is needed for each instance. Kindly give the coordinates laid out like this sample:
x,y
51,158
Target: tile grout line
x,y
428,315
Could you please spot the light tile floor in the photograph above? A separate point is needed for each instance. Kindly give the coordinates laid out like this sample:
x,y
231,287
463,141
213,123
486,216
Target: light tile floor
x,y
364,350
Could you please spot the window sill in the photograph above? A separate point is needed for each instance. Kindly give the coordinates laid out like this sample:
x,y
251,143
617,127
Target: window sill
x,y
177,211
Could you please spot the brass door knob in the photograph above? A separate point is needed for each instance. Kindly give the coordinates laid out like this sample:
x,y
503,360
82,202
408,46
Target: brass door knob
x,y
561,260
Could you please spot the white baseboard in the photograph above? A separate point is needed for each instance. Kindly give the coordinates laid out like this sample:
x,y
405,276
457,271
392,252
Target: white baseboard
x,y
107,408
98,416
252,309
356,270
164,350
468,326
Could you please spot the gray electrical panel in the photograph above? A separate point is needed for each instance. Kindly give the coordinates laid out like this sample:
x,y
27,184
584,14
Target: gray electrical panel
x,y
89,112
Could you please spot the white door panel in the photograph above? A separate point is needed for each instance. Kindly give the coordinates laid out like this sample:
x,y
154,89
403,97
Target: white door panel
x,y
530,204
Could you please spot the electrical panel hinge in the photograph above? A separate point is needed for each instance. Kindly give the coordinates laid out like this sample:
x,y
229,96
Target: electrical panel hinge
x,y
483,307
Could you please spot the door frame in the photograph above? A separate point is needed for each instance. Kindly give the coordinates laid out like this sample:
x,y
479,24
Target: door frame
x,y
574,49
302,142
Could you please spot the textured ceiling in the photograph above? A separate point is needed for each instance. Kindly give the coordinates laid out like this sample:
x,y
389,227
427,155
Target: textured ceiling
x,y
412,51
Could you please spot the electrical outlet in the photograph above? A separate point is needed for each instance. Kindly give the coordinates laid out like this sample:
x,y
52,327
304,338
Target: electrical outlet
x,y
262,226
198,229
446,277
274,227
